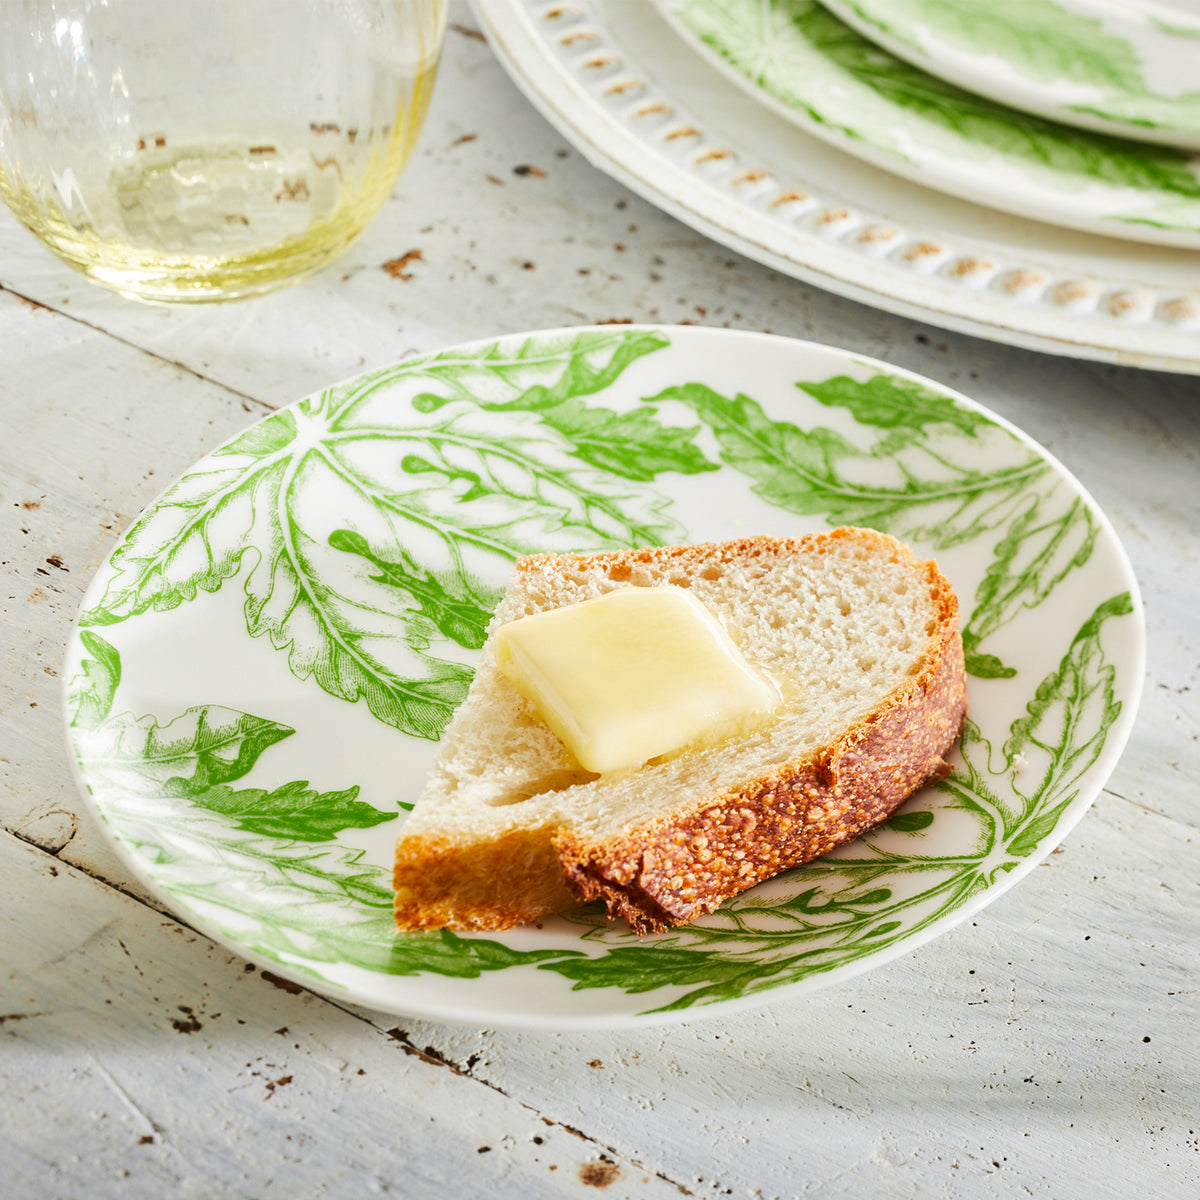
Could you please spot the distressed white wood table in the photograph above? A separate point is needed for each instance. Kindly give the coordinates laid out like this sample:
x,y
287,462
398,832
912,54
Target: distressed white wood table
x,y
1047,1048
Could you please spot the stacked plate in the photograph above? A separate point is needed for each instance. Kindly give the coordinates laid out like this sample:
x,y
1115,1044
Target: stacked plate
x,y
1024,169
887,81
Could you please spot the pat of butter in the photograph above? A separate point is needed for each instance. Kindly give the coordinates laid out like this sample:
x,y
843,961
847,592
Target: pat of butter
x,y
633,674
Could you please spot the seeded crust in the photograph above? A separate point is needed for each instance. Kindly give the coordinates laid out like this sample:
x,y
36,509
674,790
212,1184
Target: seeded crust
x,y
678,870
674,869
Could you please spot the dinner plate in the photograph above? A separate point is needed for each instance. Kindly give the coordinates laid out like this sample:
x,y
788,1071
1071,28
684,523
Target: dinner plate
x,y
621,86
817,71
262,667
1123,67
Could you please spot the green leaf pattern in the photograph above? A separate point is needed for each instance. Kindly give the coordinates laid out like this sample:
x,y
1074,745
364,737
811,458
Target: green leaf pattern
x,y
1045,41
246,859
504,463
1040,531
809,61
867,896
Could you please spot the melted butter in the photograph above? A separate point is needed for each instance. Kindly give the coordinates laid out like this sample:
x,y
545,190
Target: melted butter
x,y
633,675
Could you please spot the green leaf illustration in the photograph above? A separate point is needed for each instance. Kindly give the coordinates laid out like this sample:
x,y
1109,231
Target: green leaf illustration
x,y
1080,694
448,953
633,444
815,470
803,56
774,935
1181,113
906,406
202,747
1039,537
911,822
91,695
632,970
294,903
458,606
1173,29
240,856
195,757
293,810
1039,549
537,375
1045,41
499,458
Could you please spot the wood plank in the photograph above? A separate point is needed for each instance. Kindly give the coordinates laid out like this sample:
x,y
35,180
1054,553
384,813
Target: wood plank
x,y
150,1063
95,430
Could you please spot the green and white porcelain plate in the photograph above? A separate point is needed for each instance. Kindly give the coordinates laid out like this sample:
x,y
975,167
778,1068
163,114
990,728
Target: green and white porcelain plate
x,y
805,64
1123,67
263,666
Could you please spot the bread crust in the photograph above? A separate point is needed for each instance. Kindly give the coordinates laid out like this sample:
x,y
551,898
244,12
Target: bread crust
x,y
622,565
512,880
673,870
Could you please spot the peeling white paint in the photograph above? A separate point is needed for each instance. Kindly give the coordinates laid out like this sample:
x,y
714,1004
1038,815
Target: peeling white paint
x,y
1018,1039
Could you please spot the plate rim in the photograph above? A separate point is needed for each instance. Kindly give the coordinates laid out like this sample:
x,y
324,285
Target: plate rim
x,y
1117,736
1099,314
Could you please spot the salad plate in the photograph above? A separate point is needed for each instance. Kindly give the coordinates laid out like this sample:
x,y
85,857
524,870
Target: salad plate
x,y
1122,67
812,68
261,669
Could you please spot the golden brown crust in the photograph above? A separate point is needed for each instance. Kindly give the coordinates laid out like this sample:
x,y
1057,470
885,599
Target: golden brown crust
x,y
714,847
512,880
676,870
619,565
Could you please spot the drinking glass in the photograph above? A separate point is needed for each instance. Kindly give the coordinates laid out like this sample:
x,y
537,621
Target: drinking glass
x,y
191,150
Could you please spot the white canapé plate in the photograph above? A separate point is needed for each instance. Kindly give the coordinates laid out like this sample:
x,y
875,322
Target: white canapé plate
x,y
261,668
639,103
799,59
1123,67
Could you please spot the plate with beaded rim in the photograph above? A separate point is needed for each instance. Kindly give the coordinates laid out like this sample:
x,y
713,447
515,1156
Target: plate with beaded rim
x,y
261,669
621,86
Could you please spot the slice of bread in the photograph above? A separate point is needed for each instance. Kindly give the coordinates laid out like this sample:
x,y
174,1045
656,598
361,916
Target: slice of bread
x,y
861,638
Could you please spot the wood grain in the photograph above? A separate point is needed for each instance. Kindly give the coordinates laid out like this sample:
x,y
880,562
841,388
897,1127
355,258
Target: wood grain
x,y
1045,1049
